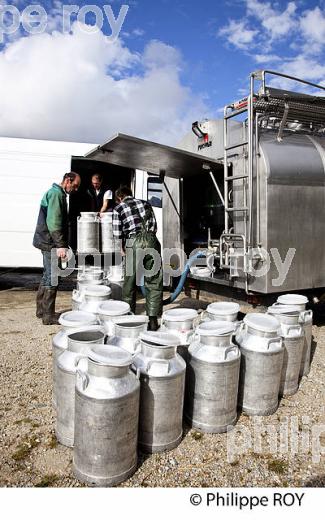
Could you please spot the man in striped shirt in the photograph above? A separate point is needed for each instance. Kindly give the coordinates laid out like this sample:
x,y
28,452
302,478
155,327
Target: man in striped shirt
x,y
134,223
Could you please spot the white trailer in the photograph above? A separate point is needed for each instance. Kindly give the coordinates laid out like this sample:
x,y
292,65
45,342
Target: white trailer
x,y
28,168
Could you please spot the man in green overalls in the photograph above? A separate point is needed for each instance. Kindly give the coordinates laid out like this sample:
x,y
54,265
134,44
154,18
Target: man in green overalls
x,y
134,223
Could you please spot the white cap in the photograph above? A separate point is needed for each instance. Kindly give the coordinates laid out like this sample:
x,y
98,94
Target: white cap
x,y
180,314
293,299
164,339
216,328
110,356
223,308
113,308
97,290
77,319
262,322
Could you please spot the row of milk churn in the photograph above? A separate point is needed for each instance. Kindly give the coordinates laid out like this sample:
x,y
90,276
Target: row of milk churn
x,y
95,233
117,386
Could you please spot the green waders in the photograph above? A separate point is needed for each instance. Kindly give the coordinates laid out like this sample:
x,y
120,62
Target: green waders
x,y
135,262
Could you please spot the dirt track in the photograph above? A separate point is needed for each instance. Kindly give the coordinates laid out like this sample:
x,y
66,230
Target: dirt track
x,y
30,455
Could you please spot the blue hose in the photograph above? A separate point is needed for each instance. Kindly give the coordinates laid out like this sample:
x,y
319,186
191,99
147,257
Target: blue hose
x,y
181,282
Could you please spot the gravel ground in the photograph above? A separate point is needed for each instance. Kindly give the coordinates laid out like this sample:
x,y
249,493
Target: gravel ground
x,y
30,455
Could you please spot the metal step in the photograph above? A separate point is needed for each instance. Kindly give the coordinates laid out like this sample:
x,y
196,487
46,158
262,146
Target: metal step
x,y
236,177
236,209
237,145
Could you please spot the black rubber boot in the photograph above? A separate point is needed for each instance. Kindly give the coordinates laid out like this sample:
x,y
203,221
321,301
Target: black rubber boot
x,y
39,301
153,323
49,317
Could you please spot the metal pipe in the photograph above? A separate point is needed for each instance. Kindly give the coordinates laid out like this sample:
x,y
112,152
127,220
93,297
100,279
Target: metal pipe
x,y
293,78
225,169
250,156
217,187
258,195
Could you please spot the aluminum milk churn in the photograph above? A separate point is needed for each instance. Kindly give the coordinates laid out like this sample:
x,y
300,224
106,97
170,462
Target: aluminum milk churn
x,y
69,321
106,418
88,233
306,320
108,242
212,378
162,378
109,311
224,311
262,353
94,296
293,341
78,348
126,332
180,322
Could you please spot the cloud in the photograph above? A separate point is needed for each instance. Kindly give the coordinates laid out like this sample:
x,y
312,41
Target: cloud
x,y
276,23
266,58
238,34
83,87
312,25
288,38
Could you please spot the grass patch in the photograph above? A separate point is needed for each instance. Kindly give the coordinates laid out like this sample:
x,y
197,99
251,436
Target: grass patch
x,y
47,481
23,450
277,466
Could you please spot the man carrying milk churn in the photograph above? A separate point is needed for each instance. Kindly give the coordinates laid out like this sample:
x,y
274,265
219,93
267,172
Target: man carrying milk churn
x,y
134,223
52,234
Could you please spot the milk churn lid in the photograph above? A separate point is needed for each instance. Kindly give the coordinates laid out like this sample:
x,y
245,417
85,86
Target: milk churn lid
x,y
113,308
223,308
163,339
97,290
180,314
262,322
77,319
293,299
281,309
110,356
216,328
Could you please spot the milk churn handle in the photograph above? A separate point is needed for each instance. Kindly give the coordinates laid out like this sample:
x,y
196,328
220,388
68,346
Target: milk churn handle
x,y
84,378
136,370
273,340
79,358
159,361
229,349
306,314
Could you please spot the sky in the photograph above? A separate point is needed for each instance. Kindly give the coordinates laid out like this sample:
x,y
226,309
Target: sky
x,y
173,62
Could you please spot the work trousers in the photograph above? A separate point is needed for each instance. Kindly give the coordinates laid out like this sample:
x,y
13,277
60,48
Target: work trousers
x,y
135,262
